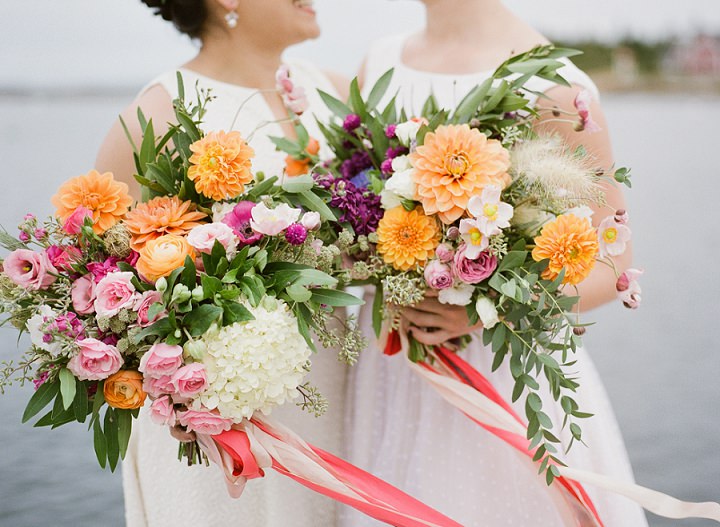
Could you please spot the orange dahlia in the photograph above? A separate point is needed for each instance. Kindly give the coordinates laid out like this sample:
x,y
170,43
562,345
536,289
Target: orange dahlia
x,y
454,164
297,167
100,193
159,216
220,165
571,243
407,238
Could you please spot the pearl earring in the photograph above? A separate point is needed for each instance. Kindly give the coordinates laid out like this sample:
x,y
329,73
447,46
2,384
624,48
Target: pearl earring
x,y
231,19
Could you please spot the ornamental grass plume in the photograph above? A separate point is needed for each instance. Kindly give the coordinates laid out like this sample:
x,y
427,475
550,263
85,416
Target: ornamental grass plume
x,y
547,167
159,216
107,199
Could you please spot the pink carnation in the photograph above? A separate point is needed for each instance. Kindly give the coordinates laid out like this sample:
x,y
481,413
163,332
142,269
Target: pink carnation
x,y
95,360
29,269
473,271
204,422
190,380
143,305
160,360
114,293
74,223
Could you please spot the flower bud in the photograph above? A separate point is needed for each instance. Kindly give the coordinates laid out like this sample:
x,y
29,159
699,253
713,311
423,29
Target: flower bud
x,y
579,331
621,216
453,233
195,349
198,293
161,284
181,294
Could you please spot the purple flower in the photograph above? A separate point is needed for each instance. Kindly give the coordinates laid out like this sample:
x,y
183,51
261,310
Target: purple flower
x,y
352,122
361,180
386,167
24,237
397,151
358,162
390,131
41,379
296,234
358,206
239,219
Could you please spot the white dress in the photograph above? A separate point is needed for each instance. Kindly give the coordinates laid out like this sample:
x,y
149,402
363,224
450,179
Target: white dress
x,y
159,490
402,431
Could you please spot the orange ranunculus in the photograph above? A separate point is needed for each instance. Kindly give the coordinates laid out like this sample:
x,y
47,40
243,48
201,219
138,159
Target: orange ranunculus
x,y
455,163
108,199
571,243
159,216
124,390
297,167
220,165
407,238
161,256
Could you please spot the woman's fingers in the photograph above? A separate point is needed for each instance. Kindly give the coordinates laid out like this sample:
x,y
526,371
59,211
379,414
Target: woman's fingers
x,y
423,319
181,434
430,338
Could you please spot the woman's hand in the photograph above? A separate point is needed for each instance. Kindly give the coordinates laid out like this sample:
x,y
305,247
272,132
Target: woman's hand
x,y
433,323
181,434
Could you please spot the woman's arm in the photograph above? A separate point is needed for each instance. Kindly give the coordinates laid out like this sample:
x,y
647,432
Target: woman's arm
x,y
116,153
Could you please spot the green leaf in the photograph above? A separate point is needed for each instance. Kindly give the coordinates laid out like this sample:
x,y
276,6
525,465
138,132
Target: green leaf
x,y
298,184
235,312
471,102
299,293
335,106
513,260
378,91
534,402
356,100
189,274
161,328
124,423
378,309
100,443
498,338
312,201
40,399
80,404
111,438
210,285
334,298
303,315
199,320
261,189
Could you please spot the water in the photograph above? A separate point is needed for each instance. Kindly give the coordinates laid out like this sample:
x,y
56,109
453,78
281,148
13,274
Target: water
x,y
660,363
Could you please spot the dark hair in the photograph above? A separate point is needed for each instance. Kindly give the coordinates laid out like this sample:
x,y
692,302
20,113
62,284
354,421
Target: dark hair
x,y
188,16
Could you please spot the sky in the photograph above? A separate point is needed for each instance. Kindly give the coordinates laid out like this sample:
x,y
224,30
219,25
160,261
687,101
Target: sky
x,y
70,43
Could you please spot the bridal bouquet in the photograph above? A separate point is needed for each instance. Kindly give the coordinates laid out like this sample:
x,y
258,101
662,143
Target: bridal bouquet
x,y
203,298
474,205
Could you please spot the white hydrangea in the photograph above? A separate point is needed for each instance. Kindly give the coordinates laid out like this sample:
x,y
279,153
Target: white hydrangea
x,y
255,365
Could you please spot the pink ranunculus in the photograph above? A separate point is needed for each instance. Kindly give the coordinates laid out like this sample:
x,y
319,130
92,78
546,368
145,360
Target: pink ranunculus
x,y
82,293
29,269
190,380
95,360
204,422
160,360
162,412
445,253
473,271
142,306
438,275
273,221
628,288
310,220
158,387
74,223
114,293
239,220
203,237
62,257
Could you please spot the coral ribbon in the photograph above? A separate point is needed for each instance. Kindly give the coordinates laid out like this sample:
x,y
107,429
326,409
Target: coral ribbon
x,y
254,445
468,390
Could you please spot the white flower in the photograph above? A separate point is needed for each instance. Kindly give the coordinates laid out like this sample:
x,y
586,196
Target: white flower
x,y
401,163
583,211
203,237
407,132
459,295
487,312
273,221
311,220
220,210
35,326
256,365
400,186
613,237
491,213
473,237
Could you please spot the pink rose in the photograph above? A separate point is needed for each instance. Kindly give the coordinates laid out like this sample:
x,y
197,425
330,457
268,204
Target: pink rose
x,y
101,269
203,237
82,293
74,223
190,380
158,387
628,288
29,269
95,360
143,304
204,422
438,275
114,293
162,412
161,359
445,253
473,271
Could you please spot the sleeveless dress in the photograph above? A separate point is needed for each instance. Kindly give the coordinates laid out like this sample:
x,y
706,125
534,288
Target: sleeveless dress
x,y
402,431
159,490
